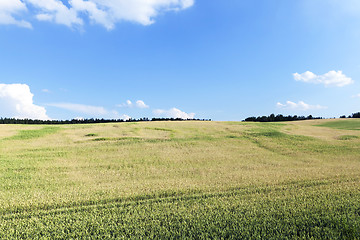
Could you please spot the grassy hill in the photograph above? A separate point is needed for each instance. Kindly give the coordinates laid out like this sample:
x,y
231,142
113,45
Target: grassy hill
x,y
181,180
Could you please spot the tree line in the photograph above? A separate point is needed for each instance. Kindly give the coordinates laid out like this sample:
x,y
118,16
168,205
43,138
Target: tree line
x,y
88,121
354,115
281,118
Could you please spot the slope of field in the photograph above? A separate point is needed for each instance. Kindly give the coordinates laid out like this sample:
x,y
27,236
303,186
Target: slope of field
x,y
343,124
181,180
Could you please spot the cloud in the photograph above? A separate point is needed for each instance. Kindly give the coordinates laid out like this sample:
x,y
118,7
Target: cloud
x,y
109,12
125,117
81,108
173,113
90,111
115,115
104,12
95,14
331,78
129,104
9,8
141,104
16,100
299,106
56,11
356,96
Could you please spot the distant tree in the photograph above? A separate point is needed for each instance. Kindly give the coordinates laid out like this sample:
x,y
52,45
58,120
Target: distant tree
x,y
356,115
278,118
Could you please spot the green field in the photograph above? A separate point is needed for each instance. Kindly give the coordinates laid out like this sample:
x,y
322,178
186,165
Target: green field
x,y
229,180
343,124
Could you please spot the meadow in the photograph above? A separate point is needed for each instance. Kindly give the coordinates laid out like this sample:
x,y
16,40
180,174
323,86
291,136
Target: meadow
x,y
189,179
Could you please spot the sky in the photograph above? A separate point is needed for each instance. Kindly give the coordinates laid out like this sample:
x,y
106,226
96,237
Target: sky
x,y
212,59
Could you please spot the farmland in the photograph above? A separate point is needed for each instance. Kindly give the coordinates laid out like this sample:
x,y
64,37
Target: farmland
x,y
297,180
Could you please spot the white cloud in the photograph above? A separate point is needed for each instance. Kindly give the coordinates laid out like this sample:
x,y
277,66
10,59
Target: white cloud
x,y
81,108
56,11
90,111
125,117
115,115
356,96
173,113
139,11
16,100
302,106
96,15
9,8
129,104
331,78
141,104
104,12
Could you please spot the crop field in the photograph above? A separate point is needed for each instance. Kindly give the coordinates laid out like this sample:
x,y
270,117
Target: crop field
x,y
165,180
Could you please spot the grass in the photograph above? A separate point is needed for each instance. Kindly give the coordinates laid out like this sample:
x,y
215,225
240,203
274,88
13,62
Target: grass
x,y
91,135
181,180
33,133
348,137
343,124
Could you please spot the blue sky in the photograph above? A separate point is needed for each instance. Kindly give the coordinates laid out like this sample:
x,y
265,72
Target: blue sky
x,y
223,60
